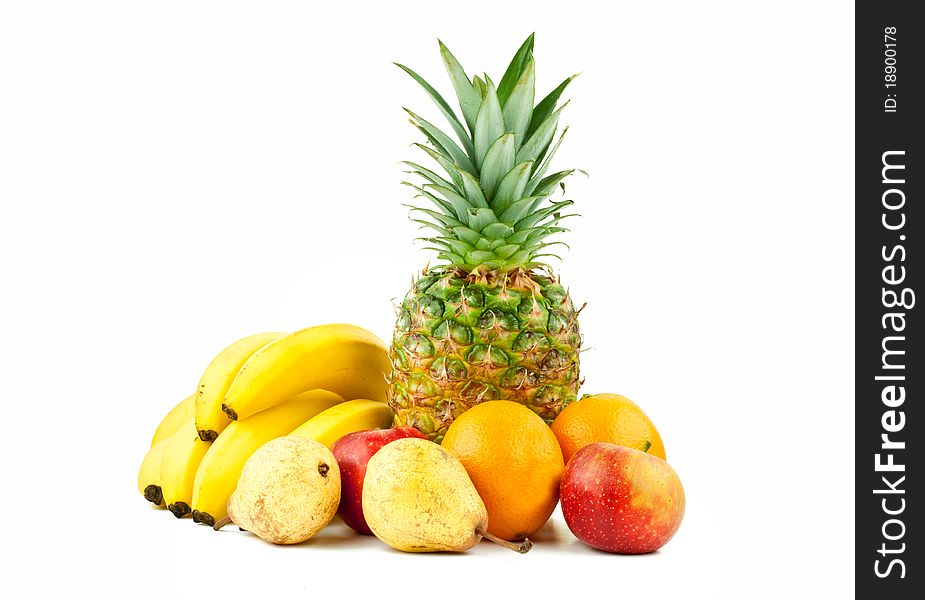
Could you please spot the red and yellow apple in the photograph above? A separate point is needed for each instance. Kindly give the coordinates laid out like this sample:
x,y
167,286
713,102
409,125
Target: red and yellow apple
x,y
353,452
622,500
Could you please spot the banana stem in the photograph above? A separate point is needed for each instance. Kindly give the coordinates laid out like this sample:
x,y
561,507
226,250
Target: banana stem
x,y
221,523
521,548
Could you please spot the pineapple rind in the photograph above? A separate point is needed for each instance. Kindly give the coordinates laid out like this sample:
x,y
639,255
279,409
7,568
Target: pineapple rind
x,y
459,342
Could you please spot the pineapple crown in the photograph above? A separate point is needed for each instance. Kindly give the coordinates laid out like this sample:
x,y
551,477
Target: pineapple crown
x,y
494,212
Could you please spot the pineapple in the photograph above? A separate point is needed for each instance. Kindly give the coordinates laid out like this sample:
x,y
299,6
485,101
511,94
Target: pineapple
x,y
492,323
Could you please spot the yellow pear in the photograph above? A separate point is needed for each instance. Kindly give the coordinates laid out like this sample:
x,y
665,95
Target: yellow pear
x,y
288,491
417,497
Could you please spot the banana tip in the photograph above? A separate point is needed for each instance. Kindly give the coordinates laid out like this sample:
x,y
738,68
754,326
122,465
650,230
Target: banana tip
x,y
153,494
230,412
204,518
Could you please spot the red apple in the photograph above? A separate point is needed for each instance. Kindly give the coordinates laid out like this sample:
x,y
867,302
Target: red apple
x,y
620,499
353,452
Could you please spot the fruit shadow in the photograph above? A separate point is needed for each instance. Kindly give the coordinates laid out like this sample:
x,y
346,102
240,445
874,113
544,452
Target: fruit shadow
x,y
548,533
337,538
553,536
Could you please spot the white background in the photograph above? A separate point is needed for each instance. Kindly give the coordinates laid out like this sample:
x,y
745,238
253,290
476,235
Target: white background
x,y
176,175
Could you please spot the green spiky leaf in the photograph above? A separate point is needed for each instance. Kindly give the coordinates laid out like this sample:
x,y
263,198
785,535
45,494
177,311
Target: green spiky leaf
x,y
430,225
443,205
470,236
489,125
460,205
478,257
446,164
456,245
506,251
440,217
479,218
498,161
521,258
469,97
538,215
497,231
518,210
472,189
511,187
537,143
519,107
541,233
491,210
481,88
453,259
519,237
450,148
515,68
427,174
547,185
442,105
544,165
547,105
556,256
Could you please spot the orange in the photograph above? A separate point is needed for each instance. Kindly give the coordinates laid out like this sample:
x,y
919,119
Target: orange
x,y
606,418
514,461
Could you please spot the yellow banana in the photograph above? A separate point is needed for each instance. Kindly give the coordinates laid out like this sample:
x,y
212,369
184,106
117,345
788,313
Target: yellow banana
x,y
210,420
219,470
178,415
182,456
345,359
149,476
337,421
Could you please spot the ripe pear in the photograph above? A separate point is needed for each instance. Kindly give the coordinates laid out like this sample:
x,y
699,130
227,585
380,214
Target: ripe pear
x,y
417,497
288,491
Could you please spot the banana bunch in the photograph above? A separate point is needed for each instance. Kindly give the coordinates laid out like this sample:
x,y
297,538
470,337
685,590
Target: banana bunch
x,y
221,466
322,383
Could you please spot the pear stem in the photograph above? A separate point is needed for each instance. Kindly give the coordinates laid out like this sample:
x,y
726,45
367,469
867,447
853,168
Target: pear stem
x,y
521,548
221,523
